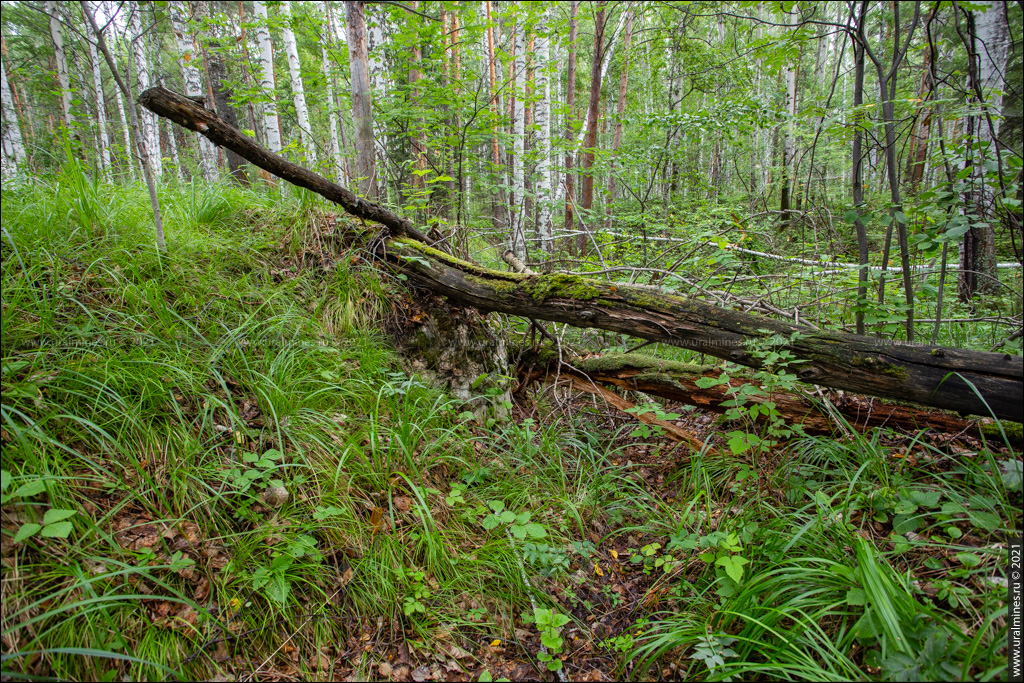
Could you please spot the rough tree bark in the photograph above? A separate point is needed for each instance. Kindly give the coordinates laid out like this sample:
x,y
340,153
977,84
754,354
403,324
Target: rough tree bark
x,y
587,161
13,143
973,382
362,113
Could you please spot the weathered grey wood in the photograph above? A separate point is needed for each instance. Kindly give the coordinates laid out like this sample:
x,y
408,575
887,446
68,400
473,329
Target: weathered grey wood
x,y
929,375
194,116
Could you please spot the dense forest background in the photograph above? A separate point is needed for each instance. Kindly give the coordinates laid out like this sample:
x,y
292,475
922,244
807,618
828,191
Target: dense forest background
x,y
237,443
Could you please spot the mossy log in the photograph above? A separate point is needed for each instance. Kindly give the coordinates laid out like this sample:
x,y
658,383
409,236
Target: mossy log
x,y
677,382
969,382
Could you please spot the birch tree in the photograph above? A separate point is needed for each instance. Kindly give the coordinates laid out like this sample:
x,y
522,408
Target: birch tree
x,y
517,237
101,108
988,53
570,102
545,190
150,131
13,143
362,112
329,38
291,48
193,80
620,109
271,124
63,76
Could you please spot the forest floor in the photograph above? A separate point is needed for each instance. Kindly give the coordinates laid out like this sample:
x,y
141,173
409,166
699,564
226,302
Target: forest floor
x,y
216,466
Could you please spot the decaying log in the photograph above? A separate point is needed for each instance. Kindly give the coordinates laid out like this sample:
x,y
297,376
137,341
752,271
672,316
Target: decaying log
x,y
677,382
189,114
671,431
969,382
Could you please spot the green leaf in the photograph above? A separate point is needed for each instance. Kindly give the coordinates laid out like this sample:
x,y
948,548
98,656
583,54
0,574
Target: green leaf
x,y
507,516
856,597
26,531
5,480
969,560
30,489
733,566
54,516
536,530
58,530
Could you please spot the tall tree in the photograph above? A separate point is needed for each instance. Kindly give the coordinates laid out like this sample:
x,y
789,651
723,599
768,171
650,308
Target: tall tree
x,y
857,170
291,48
362,112
101,109
570,103
545,189
150,129
988,50
620,109
193,80
124,85
328,38
63,76
590,143
13,142
271,124
517,167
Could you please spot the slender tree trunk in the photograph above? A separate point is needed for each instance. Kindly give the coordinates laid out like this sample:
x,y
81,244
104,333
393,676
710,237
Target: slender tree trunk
x,y
13,142
590,144
570,133
150,130
620,113
271,124
362,112
788,145
193,79
101,109
858,181
375,42
887,90
126,127
545,190
298,89
517,167
327,39
63,75
418,150
153,42
125,87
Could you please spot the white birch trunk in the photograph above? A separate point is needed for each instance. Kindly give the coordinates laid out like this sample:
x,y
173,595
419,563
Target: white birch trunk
x,y
101,108
332,106
517,243
13,143
150,131
291,48
271,126
126,130
542,119
376,39
63,77
172,141
193,79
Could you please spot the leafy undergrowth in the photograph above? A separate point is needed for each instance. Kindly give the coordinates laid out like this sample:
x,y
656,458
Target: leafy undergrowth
x,y
214,467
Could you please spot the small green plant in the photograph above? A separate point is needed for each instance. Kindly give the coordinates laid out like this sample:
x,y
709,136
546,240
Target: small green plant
x,y
712,650
550,623
651,559
275,577
645,431
416,584
520,525
55,522
547,559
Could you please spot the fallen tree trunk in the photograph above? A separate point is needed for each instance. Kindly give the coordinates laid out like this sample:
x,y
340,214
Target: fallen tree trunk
x,y
677,382
971,382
